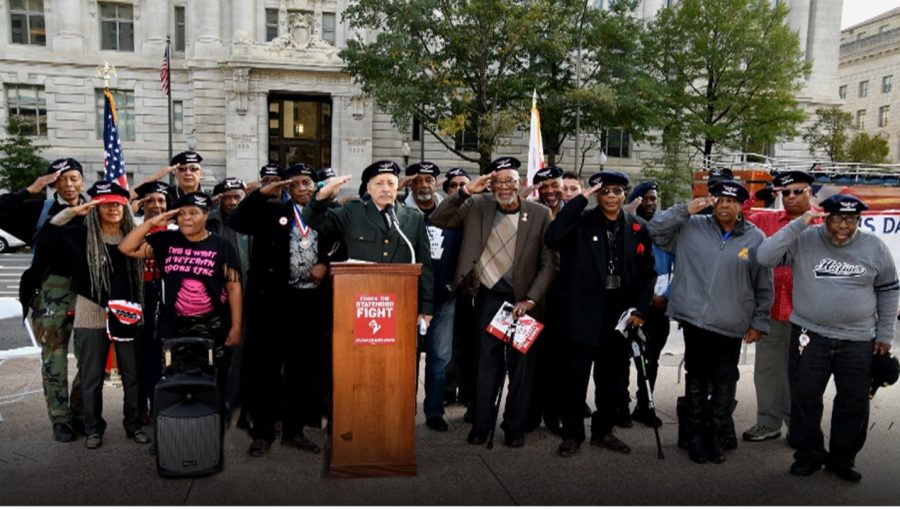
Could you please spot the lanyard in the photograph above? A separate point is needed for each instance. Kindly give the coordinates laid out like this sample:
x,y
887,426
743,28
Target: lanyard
x,y
304,230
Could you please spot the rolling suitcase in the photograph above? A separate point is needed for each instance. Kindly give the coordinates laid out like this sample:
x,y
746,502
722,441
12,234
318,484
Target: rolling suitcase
x,y
188,411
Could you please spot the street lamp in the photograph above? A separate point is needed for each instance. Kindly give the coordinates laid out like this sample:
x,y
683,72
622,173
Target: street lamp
x,y
602,159
405,151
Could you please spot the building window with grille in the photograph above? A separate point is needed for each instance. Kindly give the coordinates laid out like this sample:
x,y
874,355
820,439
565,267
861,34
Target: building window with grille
x,y
124,113
26,19
887,83
861,119
616,142
178,117
28,105
466,140
863,88
180,29
328,27
842,91
884,114
271,24
116,27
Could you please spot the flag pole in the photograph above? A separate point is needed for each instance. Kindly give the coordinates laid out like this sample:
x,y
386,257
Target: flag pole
x,y
169,96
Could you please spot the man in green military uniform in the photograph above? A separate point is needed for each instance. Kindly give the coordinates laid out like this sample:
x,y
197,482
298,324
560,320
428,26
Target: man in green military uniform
x,y
378,229
44,288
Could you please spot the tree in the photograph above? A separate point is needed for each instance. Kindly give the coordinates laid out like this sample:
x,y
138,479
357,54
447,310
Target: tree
x,y
829,132
865,148
727,71
20,162
456,66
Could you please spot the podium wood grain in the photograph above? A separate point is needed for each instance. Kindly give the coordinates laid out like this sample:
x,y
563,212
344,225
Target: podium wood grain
x,y
374,401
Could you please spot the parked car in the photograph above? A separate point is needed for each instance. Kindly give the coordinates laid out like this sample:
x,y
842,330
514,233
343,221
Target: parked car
x,y
8,242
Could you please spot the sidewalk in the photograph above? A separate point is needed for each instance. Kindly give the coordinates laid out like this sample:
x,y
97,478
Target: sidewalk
x,y
36,470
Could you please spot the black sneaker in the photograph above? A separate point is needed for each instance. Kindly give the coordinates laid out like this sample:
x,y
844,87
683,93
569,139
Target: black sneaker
x,y
611,442
646,417
805,468
259,448
477,436
845,472
436,423
63,432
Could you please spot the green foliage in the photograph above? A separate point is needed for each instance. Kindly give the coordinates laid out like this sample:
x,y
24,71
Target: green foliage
x,y
829,133
726,71
20,162
865,148
673,171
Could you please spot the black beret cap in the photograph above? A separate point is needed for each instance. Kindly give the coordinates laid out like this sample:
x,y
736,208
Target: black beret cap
x,y
186,157
297,169
106,191
453,173
503,163
383,166
326,173
64,165
423,168
843,204
793,177
228,184
195,199
270,170
718,175
612,178
155,186
548,173
642,189
730,189
885,372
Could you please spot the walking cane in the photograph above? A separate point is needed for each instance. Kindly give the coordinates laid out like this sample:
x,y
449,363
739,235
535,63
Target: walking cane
x,y
637,351
508,339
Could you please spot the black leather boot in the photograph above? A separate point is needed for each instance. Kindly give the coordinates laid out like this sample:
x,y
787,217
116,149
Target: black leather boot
x,y
695,399
721,407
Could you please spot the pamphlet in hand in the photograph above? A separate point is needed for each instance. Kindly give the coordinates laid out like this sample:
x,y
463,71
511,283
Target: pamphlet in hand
x,y
527,328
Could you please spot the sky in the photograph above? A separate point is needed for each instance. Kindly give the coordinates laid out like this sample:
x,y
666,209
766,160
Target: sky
x,y
856,11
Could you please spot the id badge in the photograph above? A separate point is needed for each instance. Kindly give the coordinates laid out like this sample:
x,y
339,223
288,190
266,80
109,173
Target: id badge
x,y
613,282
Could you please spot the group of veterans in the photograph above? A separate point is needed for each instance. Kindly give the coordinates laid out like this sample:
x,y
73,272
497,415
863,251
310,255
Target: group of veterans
x,y
817,295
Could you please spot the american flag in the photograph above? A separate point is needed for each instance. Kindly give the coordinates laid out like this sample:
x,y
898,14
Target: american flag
x,y
113,158
164,72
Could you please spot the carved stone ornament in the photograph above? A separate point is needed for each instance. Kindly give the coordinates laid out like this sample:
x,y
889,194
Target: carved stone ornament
x,y
241,77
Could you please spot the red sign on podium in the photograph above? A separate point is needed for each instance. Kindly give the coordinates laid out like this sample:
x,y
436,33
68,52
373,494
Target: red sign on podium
x,y
375,321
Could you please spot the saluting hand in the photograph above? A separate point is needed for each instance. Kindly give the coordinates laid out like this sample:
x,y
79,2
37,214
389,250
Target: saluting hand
x,y
162,172
274,188
331,188
811,215
83,209
41,182
480,184
526,191
251,186
698,204
162,219
591,190
632,207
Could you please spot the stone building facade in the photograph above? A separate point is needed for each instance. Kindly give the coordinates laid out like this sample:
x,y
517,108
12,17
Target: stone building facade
x,y
256,80
869,77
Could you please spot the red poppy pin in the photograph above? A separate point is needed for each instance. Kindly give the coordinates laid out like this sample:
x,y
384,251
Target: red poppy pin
x,y
640,248
636,227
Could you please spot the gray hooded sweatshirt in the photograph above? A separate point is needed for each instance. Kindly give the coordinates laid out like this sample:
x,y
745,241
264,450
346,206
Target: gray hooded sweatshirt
x,y
842,292
718,284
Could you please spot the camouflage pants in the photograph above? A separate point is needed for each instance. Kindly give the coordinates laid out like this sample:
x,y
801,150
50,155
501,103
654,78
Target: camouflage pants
x,y
53,316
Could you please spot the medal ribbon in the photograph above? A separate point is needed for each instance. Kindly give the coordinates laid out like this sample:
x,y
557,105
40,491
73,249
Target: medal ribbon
x,y
304,230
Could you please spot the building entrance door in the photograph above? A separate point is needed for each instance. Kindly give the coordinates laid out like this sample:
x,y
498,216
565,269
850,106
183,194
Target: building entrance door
x,y
300,130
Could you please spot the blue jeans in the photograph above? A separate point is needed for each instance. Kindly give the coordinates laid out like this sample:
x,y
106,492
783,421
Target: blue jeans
x,y
850,362
437,344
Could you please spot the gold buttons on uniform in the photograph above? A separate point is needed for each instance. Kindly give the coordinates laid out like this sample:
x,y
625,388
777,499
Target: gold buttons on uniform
x,y
384,253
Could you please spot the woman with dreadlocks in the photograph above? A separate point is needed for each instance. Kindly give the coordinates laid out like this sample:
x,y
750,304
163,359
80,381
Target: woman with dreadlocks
x,y
107,308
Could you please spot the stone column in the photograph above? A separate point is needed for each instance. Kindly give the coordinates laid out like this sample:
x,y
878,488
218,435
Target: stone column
x,y
244,19
69,37
207,40
156,26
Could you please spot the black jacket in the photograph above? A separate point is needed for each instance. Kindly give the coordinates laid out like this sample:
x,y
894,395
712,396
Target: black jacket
x,y
580,239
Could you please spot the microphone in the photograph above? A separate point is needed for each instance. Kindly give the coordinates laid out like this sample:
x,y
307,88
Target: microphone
x,y
392,218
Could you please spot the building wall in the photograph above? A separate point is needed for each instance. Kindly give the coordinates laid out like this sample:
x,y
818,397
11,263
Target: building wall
x,y
872,58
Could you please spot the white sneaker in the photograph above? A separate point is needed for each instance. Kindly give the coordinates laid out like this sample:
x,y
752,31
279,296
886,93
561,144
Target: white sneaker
x,y
759,433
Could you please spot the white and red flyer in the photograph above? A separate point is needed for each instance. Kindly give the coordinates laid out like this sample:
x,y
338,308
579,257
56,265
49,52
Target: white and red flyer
x,y
526,331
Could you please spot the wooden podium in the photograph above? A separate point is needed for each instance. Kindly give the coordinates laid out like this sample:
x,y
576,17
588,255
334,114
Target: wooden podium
x,y
374,363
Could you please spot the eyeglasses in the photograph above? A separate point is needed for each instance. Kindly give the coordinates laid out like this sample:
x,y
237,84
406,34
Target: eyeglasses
x,y
841,219
192,169
795,192
504,182
618,191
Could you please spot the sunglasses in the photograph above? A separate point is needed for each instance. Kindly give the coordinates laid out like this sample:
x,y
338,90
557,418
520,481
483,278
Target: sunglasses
x,y
618,191
839,219
192,169
795,192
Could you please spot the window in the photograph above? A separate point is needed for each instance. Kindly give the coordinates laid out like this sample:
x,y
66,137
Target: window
x,y
179,29
842,91
416,131
26,19
863,88
860,35
887,83
328,27
116,27
28,104
271,24
616,142
861,119
466,140
178,117
884,114
124,113
883,28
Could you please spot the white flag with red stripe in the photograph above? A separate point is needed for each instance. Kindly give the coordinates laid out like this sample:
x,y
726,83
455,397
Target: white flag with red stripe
x,y
535,144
